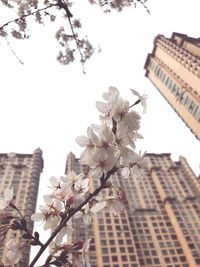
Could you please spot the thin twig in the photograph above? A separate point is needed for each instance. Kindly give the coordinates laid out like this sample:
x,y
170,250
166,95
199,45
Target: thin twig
x,y
27,15
12,205
144,5
69,16
14,53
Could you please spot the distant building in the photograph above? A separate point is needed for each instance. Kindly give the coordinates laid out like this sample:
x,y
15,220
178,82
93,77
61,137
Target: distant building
x,y
160,226
22,172
174,68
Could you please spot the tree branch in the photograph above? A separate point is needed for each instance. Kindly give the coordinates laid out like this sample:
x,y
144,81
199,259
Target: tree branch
x,y
69,16
73,211
27,15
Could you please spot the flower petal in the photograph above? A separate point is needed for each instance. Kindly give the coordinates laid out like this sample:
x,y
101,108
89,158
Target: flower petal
x,y
54,181
37,217
82,140
47,199
102,107
98,206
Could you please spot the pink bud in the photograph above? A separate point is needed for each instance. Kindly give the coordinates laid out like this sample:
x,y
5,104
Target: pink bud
x,y
78,245
122,196
70,200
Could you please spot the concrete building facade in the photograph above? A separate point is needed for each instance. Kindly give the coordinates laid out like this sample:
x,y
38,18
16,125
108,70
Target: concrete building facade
x,y
174,68
22,172
160,226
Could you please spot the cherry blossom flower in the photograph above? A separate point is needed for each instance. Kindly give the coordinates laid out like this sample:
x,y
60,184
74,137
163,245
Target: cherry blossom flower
x,y
115,205
85,253
72,178
99,205
112,95
138,164
78,184
6,199
55,183
81,187
110,201
121,138
64,193
89,143
118,109
66,231
142,99
130,121
85,213
49,213
82,260
101,163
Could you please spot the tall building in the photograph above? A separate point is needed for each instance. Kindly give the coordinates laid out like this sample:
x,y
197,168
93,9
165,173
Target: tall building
x,y
160,225
22,172
174,68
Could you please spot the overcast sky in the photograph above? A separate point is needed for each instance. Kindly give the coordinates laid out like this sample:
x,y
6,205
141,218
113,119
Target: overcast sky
x,y
46,105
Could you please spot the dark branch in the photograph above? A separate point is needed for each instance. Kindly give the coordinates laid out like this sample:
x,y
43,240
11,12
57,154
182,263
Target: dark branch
x,y
69,16
27,15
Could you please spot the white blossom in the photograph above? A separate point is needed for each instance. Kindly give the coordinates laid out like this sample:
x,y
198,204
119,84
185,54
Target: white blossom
x,y
49,213
142,99
85,213
126,172
66,232
110,201
85,253
73,177
102,162
89,143
81,187
55,183
64,193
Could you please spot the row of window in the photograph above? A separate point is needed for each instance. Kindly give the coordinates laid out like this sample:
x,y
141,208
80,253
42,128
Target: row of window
x,y
180,94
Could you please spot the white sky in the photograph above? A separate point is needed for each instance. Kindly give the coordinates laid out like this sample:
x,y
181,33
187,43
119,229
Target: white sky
x,y
46,105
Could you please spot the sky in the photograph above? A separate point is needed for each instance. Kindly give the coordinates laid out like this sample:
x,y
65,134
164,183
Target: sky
x,y
47,105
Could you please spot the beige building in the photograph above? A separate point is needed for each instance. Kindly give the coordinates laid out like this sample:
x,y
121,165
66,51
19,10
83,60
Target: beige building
x,y
174,68
160,226
22,172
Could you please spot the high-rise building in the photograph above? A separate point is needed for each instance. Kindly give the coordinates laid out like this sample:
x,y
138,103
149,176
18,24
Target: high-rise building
x,y
22,172
160,225
174,68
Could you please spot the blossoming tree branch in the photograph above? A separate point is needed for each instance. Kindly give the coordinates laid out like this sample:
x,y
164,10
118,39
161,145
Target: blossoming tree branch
x,y
107,148
74,44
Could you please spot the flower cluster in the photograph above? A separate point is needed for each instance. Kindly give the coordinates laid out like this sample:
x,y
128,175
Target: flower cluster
x,y
118,5
108,147
15,222
113,142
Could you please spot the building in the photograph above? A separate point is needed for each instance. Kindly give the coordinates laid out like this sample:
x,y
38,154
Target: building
x,y
22,172
174,68
160,226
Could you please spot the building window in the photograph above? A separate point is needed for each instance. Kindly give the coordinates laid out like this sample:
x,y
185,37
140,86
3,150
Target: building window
x,y
192,106
197,114
105,250
113,250
124,258
105,259
114,258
